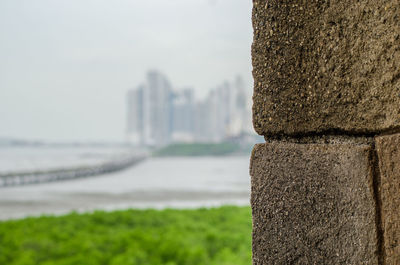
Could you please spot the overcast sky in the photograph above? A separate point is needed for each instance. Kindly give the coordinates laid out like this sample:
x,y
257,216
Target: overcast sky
x,y
65,65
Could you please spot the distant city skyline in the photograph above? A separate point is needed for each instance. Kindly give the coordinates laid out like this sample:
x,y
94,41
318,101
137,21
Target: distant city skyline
x,y
159,113
65,65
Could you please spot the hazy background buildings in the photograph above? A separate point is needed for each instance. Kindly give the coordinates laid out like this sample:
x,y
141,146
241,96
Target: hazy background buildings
x,y
65,66
158,113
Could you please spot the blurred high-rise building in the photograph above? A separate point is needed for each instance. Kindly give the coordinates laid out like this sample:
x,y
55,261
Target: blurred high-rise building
x,y
149,111
202,128
135,123
183,116
241,110
157,104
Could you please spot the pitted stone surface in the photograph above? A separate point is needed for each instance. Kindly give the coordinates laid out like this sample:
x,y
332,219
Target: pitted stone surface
x,y
313,204
388,149
322,66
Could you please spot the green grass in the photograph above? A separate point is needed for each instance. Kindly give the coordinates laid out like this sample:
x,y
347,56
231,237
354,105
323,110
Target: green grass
x,y
198,149
219,236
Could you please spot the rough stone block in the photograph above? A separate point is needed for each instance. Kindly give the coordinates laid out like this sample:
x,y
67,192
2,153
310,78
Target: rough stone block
x,y
313,204
323,66
388,150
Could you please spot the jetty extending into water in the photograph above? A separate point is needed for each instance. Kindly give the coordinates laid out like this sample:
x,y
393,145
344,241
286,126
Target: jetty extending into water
x,y
41,176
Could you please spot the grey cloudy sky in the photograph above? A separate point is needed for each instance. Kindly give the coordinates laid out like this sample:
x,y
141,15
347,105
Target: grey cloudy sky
x,y
65,65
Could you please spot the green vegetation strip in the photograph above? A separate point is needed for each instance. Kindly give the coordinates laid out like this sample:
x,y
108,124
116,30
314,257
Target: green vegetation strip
x,y
198,149
203,236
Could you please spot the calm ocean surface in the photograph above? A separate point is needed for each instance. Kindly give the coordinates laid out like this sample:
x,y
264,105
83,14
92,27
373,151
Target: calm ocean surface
x,y
179,182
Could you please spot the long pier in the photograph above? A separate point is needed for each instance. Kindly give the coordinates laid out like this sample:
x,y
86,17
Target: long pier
x,y
42,176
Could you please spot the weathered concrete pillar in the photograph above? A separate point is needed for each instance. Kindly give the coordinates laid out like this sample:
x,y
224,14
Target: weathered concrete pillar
x,y
326,184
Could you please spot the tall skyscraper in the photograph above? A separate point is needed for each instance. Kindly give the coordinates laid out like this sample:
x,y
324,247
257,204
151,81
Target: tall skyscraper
x,y
201,124
135,124
240,109
149,112
183,116
157,104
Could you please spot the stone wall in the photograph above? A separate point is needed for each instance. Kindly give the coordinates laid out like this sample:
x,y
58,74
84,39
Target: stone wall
x,y
326,184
